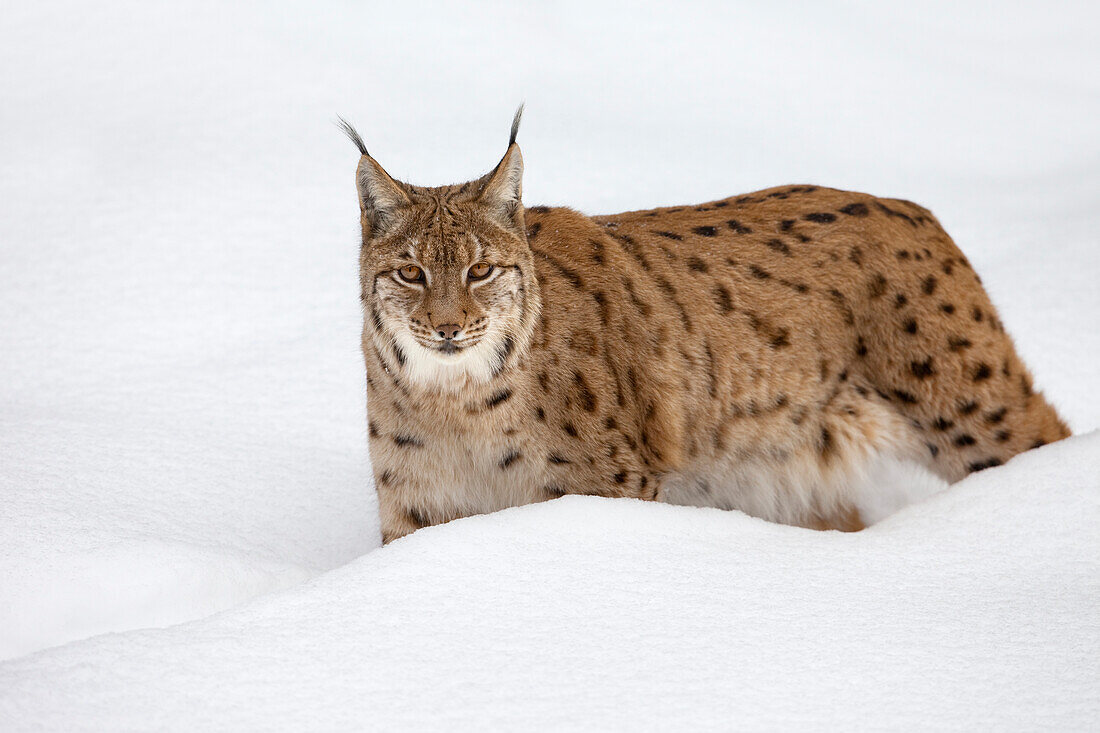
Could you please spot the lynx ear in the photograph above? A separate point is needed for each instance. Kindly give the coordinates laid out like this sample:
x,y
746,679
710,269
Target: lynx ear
x,y
379,195
503,191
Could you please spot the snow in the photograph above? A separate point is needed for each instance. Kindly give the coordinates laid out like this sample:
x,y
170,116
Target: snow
x,y
964,612
182,426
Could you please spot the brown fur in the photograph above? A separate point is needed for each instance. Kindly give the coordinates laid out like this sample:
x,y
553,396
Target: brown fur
x,y
798,329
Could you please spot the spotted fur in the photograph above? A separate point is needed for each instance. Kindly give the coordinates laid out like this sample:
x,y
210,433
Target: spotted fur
x,y
779,352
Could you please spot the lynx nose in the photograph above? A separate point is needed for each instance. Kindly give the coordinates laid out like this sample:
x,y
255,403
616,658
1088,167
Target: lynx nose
x,y
448,330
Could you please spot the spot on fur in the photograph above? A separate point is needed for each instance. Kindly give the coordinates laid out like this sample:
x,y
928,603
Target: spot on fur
x,y
778,245
722,299
958,343
696,264
968,408
502,396
877,286
987,463
922,369
943,424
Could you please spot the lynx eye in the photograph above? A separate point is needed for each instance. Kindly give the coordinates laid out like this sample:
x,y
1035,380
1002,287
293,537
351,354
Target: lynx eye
x,y
411,274
480,271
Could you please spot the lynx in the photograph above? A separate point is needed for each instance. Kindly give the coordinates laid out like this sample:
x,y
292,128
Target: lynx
x,y
806,355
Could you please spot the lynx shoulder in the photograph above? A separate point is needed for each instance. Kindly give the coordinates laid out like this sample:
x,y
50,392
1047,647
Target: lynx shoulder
x,y
806,355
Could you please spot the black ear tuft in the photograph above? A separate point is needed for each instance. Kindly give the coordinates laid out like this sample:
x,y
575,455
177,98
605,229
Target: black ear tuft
x,y
515,125
348,130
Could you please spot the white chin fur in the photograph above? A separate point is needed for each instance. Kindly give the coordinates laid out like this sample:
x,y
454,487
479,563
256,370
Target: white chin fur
x,y
448,372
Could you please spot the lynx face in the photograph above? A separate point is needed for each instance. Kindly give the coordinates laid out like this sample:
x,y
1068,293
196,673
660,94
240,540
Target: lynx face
x,y
450,283
447,278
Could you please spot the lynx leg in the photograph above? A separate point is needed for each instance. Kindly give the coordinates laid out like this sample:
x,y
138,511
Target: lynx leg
x,y
397,520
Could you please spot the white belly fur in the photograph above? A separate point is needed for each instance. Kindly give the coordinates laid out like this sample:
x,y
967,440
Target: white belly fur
x,y
877,469
882,486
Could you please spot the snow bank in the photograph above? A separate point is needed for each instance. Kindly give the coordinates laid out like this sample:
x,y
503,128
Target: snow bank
x,y
76,593
965,613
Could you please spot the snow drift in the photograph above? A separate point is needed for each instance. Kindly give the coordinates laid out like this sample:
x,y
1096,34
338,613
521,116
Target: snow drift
x,y
961,613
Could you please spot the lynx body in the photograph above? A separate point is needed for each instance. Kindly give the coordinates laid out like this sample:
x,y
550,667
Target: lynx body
x,y
806,355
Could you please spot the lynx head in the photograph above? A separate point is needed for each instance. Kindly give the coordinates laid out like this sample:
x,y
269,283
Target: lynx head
x,y
447,278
